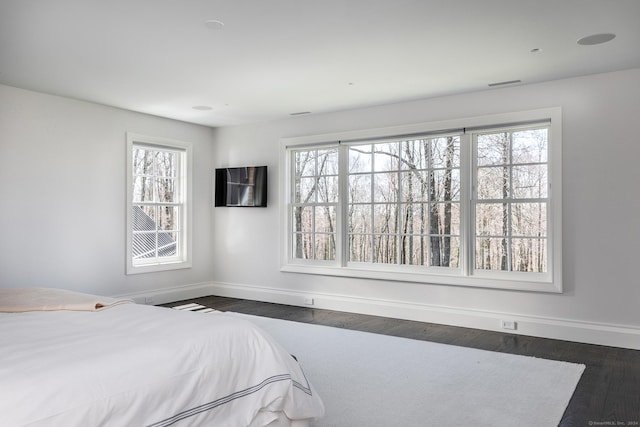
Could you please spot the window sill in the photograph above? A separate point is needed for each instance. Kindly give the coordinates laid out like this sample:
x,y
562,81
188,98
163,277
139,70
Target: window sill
x,y
152,268
513,282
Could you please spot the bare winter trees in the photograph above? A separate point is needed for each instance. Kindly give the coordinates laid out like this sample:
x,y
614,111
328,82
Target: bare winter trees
x,y
402,201
511,202
402,207
156,208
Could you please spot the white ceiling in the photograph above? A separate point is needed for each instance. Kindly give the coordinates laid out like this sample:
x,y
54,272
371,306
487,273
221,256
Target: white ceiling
x,y
276,57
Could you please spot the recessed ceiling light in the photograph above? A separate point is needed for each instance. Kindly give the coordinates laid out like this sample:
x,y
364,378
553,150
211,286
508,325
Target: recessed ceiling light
x,y
214,24
202,107
535,50
596,39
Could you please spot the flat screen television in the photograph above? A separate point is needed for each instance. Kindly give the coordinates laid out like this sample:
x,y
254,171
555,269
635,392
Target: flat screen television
x,y
241,187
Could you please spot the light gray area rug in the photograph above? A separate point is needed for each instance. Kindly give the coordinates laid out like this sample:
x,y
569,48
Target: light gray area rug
x,y
371,380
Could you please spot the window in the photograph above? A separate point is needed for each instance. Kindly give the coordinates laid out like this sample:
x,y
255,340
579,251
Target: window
x,y
158,208
315,203
466,205
403,204
511,200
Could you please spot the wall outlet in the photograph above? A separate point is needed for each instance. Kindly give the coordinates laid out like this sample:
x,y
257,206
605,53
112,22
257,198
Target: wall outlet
x,y
509,324
308,300
148,300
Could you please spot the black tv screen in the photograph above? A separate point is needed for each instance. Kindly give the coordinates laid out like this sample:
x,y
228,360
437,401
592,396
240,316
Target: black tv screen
x,y
243,186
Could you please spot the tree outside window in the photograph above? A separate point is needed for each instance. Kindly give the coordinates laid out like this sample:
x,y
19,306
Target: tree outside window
x,y
464,206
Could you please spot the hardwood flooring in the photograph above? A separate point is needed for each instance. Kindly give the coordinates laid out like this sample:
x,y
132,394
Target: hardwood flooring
x,y
608,393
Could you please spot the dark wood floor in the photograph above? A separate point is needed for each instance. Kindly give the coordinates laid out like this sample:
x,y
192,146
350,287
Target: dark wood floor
x,y
608,393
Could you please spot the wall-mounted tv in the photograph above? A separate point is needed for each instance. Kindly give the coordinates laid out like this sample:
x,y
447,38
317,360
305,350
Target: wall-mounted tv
x,y
242,187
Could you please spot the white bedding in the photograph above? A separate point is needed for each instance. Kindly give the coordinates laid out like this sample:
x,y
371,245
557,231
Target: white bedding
x,y
136,365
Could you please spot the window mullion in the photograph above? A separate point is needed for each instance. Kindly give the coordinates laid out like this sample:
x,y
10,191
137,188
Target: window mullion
x,y
399,216
509,236
468,200
342,238
372,187
430,190
290,221
314,204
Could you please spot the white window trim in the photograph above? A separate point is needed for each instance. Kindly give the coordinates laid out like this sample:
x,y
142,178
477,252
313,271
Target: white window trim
x,y
184,260
545,282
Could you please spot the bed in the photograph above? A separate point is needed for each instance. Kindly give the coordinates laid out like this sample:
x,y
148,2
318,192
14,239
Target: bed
x,y
72,359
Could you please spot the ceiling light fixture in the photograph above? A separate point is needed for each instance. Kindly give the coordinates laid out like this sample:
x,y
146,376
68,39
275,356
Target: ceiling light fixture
x,y
535,50
510,82
596,39
300,113
202,107
214,24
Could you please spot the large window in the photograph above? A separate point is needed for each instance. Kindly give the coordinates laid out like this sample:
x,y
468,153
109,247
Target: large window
x,y
158,204
469,206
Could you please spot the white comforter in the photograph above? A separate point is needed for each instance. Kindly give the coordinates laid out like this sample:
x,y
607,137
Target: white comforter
x,y
135,365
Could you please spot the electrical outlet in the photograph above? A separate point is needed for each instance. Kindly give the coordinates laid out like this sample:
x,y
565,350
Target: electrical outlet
x,y
509,324
308,300
148,300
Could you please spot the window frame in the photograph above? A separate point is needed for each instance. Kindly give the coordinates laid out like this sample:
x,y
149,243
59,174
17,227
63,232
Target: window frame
x,y
510,201
466,274
184,179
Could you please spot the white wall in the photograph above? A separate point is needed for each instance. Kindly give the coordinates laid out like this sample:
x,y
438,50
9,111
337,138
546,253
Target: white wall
x,y
62,207
601,208
62,195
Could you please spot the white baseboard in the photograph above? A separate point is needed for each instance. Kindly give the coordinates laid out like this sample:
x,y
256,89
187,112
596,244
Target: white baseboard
x,y
166,295
545,327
